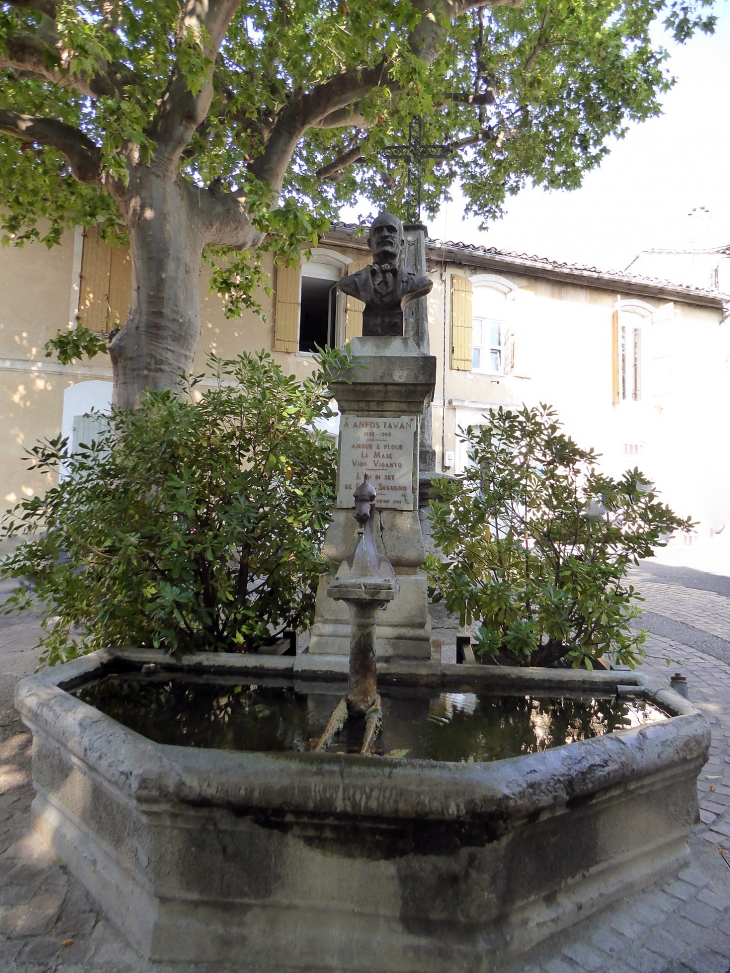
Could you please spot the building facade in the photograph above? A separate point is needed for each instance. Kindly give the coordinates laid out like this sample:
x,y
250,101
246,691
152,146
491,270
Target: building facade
x,y
635,367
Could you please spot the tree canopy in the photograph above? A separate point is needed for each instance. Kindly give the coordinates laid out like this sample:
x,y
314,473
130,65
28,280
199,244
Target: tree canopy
x,y
272,114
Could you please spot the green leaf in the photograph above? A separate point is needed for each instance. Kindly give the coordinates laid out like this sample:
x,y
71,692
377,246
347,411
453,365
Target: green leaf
x,y
176,530
516,551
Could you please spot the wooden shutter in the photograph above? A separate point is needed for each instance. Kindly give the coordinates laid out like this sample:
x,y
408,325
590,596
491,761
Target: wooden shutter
x,y
508,350
106,283
287,309
95,271
120,286
353,307
614,358
461,320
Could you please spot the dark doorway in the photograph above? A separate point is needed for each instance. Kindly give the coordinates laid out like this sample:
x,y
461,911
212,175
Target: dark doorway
x,y
316,321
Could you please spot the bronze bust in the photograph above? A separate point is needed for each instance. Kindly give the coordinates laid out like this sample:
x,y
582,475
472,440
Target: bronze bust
x,y
385,286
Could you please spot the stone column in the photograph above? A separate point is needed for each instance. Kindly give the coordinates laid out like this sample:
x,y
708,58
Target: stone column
x,y
388,389
415,320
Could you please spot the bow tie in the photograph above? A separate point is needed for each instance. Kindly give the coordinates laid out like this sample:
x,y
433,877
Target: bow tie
x,y
383,277
392,267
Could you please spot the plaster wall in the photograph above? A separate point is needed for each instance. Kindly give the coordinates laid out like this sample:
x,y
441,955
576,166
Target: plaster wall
x,y
562,356
35,300
38,296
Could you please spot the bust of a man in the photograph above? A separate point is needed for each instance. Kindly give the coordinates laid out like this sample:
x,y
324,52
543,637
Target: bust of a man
x,y
385,286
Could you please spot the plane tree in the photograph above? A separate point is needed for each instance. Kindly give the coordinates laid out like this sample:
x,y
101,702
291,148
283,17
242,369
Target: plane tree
x,y
220,129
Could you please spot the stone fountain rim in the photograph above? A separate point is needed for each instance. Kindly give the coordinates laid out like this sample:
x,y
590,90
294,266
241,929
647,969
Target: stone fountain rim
x,y
343,785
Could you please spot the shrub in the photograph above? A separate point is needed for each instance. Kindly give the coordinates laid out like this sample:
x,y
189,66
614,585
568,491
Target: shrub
x,y
186,525
536,544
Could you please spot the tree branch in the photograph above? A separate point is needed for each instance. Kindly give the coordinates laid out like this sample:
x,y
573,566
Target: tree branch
x,y
470,98
349,117
40,56
46,7
306,110
181,111
539,43
334,103
83,155
224,218
335,170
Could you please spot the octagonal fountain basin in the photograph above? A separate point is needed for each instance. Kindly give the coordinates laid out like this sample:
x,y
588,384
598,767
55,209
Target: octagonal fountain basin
x,y
504,804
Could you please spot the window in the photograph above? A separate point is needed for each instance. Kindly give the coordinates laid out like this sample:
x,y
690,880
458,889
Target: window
x,y
317,311
492,339
309,311
77,425
486,355
629,321
630,356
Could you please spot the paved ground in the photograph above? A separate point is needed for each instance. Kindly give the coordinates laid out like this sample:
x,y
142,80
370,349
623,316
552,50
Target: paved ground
x,y
682,923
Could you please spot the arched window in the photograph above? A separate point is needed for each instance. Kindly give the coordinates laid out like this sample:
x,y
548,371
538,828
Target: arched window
x,y
630,319
492,339
318,302
307,308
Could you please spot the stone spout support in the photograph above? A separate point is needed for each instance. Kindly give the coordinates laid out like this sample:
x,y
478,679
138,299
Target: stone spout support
x,y
365,581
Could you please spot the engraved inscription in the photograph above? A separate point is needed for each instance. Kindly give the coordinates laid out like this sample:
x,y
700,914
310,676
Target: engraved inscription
x,y
384,449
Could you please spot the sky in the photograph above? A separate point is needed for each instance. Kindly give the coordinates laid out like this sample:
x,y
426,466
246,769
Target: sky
x,y
642,194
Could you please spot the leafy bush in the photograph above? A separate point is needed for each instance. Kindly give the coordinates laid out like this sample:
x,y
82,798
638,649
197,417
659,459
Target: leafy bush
x,y
536,544
77,343
185,525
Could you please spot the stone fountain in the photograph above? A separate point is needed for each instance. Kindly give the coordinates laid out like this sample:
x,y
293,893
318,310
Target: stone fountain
x,y
349,862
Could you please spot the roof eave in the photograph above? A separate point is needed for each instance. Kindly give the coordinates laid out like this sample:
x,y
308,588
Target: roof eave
x,y
586,278
526,267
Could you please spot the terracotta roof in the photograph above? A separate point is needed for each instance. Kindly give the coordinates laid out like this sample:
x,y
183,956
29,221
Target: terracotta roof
x,y
531,265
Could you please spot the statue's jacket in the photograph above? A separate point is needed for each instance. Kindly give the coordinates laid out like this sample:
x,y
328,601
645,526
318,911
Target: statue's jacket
x,y
383,314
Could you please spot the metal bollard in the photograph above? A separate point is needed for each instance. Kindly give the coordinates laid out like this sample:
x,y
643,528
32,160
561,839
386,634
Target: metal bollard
x,y
678,682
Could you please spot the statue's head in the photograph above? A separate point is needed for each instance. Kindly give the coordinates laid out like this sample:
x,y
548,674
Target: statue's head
x,y
386,239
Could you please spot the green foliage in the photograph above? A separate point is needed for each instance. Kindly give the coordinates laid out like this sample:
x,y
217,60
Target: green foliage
x,y
536,544
77,343
187,525
528,94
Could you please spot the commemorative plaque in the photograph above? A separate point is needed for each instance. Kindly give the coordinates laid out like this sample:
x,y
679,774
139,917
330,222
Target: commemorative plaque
x,y
384,449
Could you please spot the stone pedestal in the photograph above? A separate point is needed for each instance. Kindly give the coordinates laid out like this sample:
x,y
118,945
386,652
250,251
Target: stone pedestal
x,y
381,406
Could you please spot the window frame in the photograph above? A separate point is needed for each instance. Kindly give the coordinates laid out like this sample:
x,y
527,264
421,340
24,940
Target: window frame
x,y
632,355
487,348
322,257
508,291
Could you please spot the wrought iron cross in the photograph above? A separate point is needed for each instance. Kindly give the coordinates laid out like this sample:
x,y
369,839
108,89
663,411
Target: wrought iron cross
x,y
414,153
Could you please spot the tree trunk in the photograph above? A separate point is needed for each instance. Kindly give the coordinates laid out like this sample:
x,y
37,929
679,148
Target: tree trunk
x,y
158,342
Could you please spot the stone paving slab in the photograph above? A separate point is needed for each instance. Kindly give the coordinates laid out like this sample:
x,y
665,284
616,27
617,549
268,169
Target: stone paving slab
x,y
681,924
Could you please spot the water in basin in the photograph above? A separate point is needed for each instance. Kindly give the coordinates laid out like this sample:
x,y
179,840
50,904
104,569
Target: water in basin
x,y
418,723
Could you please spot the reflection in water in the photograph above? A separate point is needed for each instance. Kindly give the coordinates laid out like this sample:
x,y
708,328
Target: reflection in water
x,y
417,723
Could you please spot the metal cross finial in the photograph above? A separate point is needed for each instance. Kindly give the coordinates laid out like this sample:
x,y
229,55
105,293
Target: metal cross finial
x,y
414,153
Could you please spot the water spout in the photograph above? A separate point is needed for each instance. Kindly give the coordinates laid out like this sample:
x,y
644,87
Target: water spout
x,y
365,581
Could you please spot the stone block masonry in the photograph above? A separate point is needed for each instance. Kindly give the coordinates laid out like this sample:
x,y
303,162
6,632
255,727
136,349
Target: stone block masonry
x,y
382,401
648,923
